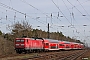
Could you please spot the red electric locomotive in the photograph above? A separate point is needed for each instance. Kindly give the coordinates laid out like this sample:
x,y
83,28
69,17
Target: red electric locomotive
x,y
28,44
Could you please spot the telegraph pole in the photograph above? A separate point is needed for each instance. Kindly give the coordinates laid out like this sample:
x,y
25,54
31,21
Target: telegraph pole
x,y
48,30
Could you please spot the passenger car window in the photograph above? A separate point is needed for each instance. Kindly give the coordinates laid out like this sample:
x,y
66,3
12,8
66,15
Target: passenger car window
x,y
61,45
47,44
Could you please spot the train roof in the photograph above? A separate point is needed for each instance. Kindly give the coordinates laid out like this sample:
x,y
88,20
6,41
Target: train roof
x,y
30,38
23,38
65,42
52,40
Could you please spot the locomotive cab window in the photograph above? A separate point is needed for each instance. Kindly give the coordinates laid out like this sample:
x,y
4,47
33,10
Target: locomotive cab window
x,y
17,40
22,40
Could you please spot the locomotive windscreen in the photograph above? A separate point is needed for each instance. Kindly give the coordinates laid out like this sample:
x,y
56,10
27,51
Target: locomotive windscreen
x,y
20,40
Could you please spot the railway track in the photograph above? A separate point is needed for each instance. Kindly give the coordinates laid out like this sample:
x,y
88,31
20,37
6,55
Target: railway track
x,y
73,56
61,55
68,55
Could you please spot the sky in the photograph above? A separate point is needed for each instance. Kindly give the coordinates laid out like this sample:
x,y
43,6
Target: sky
x,y
73,15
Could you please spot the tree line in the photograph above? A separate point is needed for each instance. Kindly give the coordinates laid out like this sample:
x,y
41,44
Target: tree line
x,y
25,29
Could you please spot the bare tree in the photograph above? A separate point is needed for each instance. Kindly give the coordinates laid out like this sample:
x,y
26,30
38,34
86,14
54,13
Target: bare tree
x,y
21,29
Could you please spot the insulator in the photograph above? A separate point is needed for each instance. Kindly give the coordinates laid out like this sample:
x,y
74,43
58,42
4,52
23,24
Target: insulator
x,y
58,14
6,17
15,16
25,16
51,15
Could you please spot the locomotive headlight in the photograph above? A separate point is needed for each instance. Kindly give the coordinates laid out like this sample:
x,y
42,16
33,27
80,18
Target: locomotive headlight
x,y
22,44
17,44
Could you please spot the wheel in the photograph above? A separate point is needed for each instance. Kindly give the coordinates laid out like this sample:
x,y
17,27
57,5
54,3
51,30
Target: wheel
x,y
18,51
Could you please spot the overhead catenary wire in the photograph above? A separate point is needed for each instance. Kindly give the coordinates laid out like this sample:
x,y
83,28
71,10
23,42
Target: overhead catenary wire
x,y
53,17
72,14
66,6
30,4
22,13
83,8
24,1
68,10
11,8
73,18
78,10
60,11
18,11
75,7
37,9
